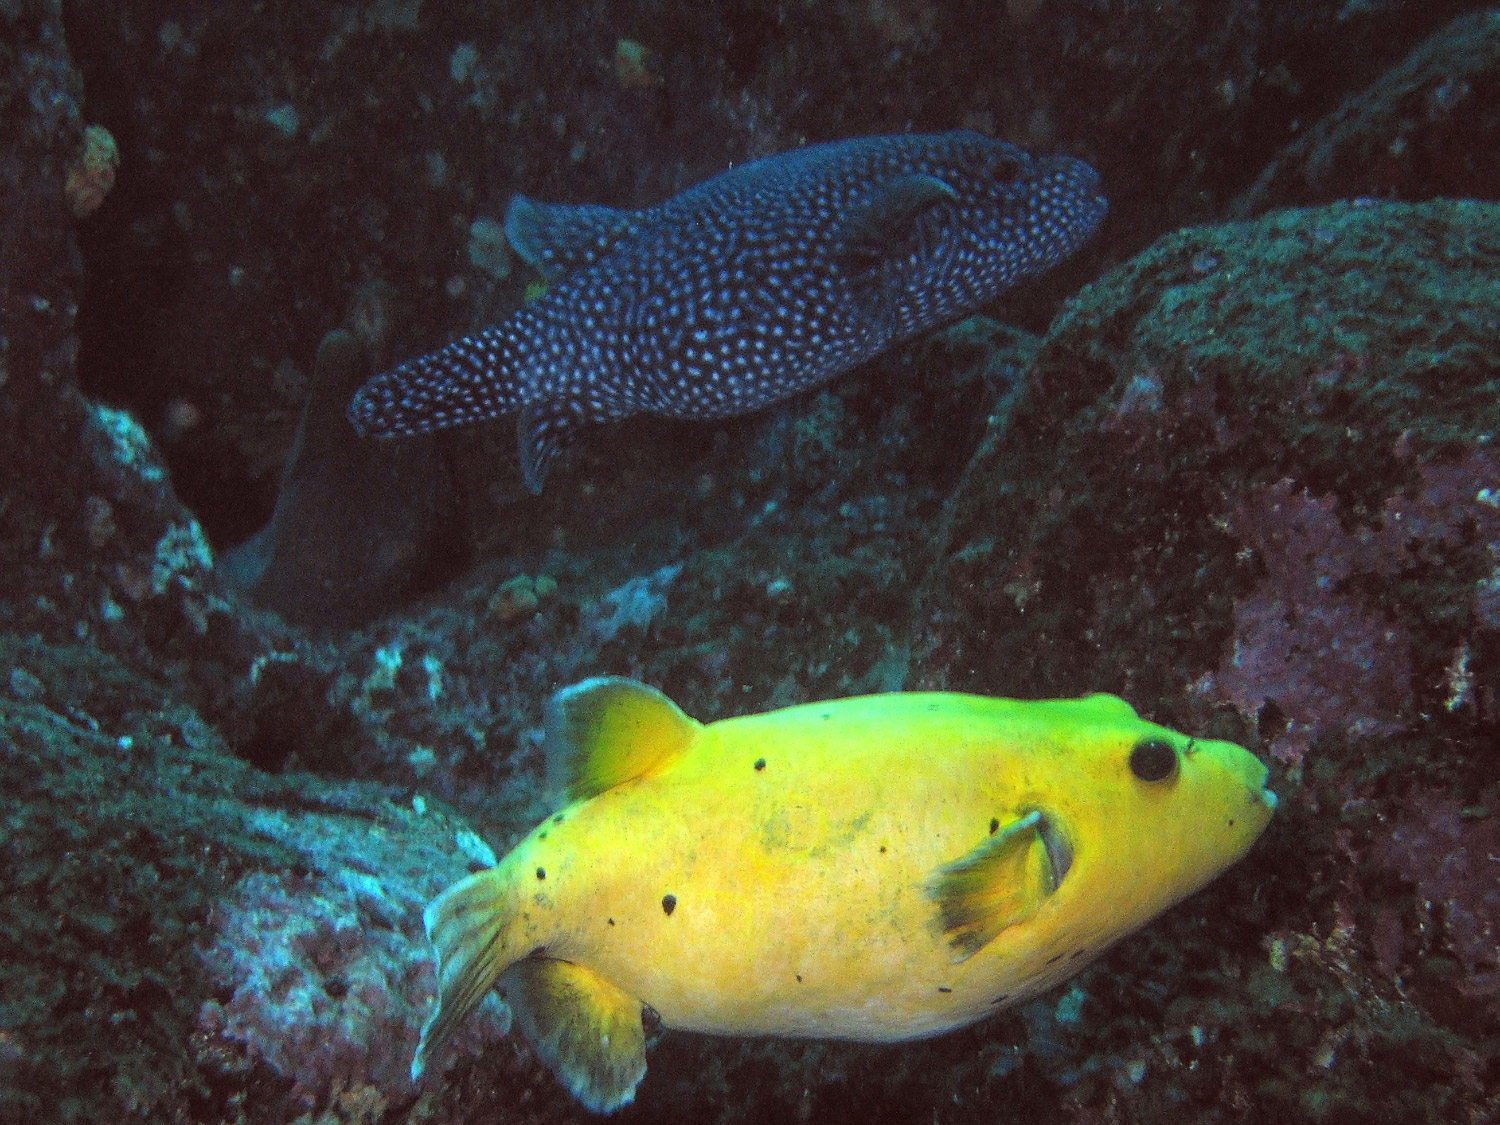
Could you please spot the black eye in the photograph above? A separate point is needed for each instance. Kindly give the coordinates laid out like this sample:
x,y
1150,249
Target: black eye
x,y
1153,760
1008,169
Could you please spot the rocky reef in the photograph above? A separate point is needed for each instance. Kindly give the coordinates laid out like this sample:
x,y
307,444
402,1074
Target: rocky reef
x,y
1236,465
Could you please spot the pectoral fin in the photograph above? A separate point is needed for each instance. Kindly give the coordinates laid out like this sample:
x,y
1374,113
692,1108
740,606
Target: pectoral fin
x,y
888,224
584,1028
1000,883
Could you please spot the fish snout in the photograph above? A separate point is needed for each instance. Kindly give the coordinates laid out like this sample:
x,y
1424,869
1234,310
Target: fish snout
x,y
1068,189
1264,794
1260,798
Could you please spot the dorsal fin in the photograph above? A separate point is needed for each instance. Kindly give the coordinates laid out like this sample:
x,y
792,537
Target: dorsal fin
x,y
608,730
558,238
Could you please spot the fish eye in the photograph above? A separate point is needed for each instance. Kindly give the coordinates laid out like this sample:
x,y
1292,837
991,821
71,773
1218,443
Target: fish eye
x,y
1006,169
1153,759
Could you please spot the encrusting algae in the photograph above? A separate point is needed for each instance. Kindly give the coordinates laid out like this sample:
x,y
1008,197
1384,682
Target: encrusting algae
x,y
879,868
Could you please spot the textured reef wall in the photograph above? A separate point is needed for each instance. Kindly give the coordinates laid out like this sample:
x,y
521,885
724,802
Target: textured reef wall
x,y
1251,486
1247,479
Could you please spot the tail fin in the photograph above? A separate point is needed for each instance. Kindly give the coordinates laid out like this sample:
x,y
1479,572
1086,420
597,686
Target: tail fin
x,y
466,925
470,380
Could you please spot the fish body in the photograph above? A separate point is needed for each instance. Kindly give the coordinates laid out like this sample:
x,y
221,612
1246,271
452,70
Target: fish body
x,y
763,281
877,869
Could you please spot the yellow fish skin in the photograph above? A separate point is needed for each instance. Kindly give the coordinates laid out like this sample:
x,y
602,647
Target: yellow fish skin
x,y
878,868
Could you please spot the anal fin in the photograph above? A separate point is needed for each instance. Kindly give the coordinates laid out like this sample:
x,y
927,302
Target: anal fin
x,y
548,426
584,1028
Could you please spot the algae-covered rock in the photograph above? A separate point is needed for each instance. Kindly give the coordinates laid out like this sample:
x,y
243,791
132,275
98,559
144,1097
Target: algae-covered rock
x,y
174,918
1338,358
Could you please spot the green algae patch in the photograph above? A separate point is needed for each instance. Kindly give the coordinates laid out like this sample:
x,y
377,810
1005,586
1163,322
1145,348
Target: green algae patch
x,y
113,855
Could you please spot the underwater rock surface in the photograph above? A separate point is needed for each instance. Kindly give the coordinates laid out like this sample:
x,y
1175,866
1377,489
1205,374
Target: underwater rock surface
x,y
1252,486
174,914
1425,128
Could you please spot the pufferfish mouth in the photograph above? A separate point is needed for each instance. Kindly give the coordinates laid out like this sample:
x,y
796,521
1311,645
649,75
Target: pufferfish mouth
x,y
1260,792
1059,851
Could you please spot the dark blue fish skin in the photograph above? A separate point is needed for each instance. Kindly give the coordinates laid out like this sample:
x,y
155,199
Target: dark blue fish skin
x,y
763,281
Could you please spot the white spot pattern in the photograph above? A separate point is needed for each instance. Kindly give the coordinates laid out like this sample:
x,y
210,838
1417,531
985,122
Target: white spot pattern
x,y
742,290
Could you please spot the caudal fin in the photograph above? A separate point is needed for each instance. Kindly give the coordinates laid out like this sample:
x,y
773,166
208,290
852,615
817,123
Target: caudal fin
x,y
470,380
466,926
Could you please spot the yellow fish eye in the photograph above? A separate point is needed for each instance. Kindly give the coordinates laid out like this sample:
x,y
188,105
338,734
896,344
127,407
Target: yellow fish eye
x,y
1153,759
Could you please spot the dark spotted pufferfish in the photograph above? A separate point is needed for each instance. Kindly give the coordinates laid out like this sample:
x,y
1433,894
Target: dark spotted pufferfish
x,y
770,278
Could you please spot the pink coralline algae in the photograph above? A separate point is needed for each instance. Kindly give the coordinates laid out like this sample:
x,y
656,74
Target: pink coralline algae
x,y
1451,856
1305,642
1317,638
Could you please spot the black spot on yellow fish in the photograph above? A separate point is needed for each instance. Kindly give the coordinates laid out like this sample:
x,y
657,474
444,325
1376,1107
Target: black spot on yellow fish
x,y
799,978
541,872
944,988
994,826
669,904
541,835
611,921
760,763
558,819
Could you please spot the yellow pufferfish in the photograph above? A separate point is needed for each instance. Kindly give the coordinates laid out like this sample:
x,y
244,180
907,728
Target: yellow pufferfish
x,y
878,868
